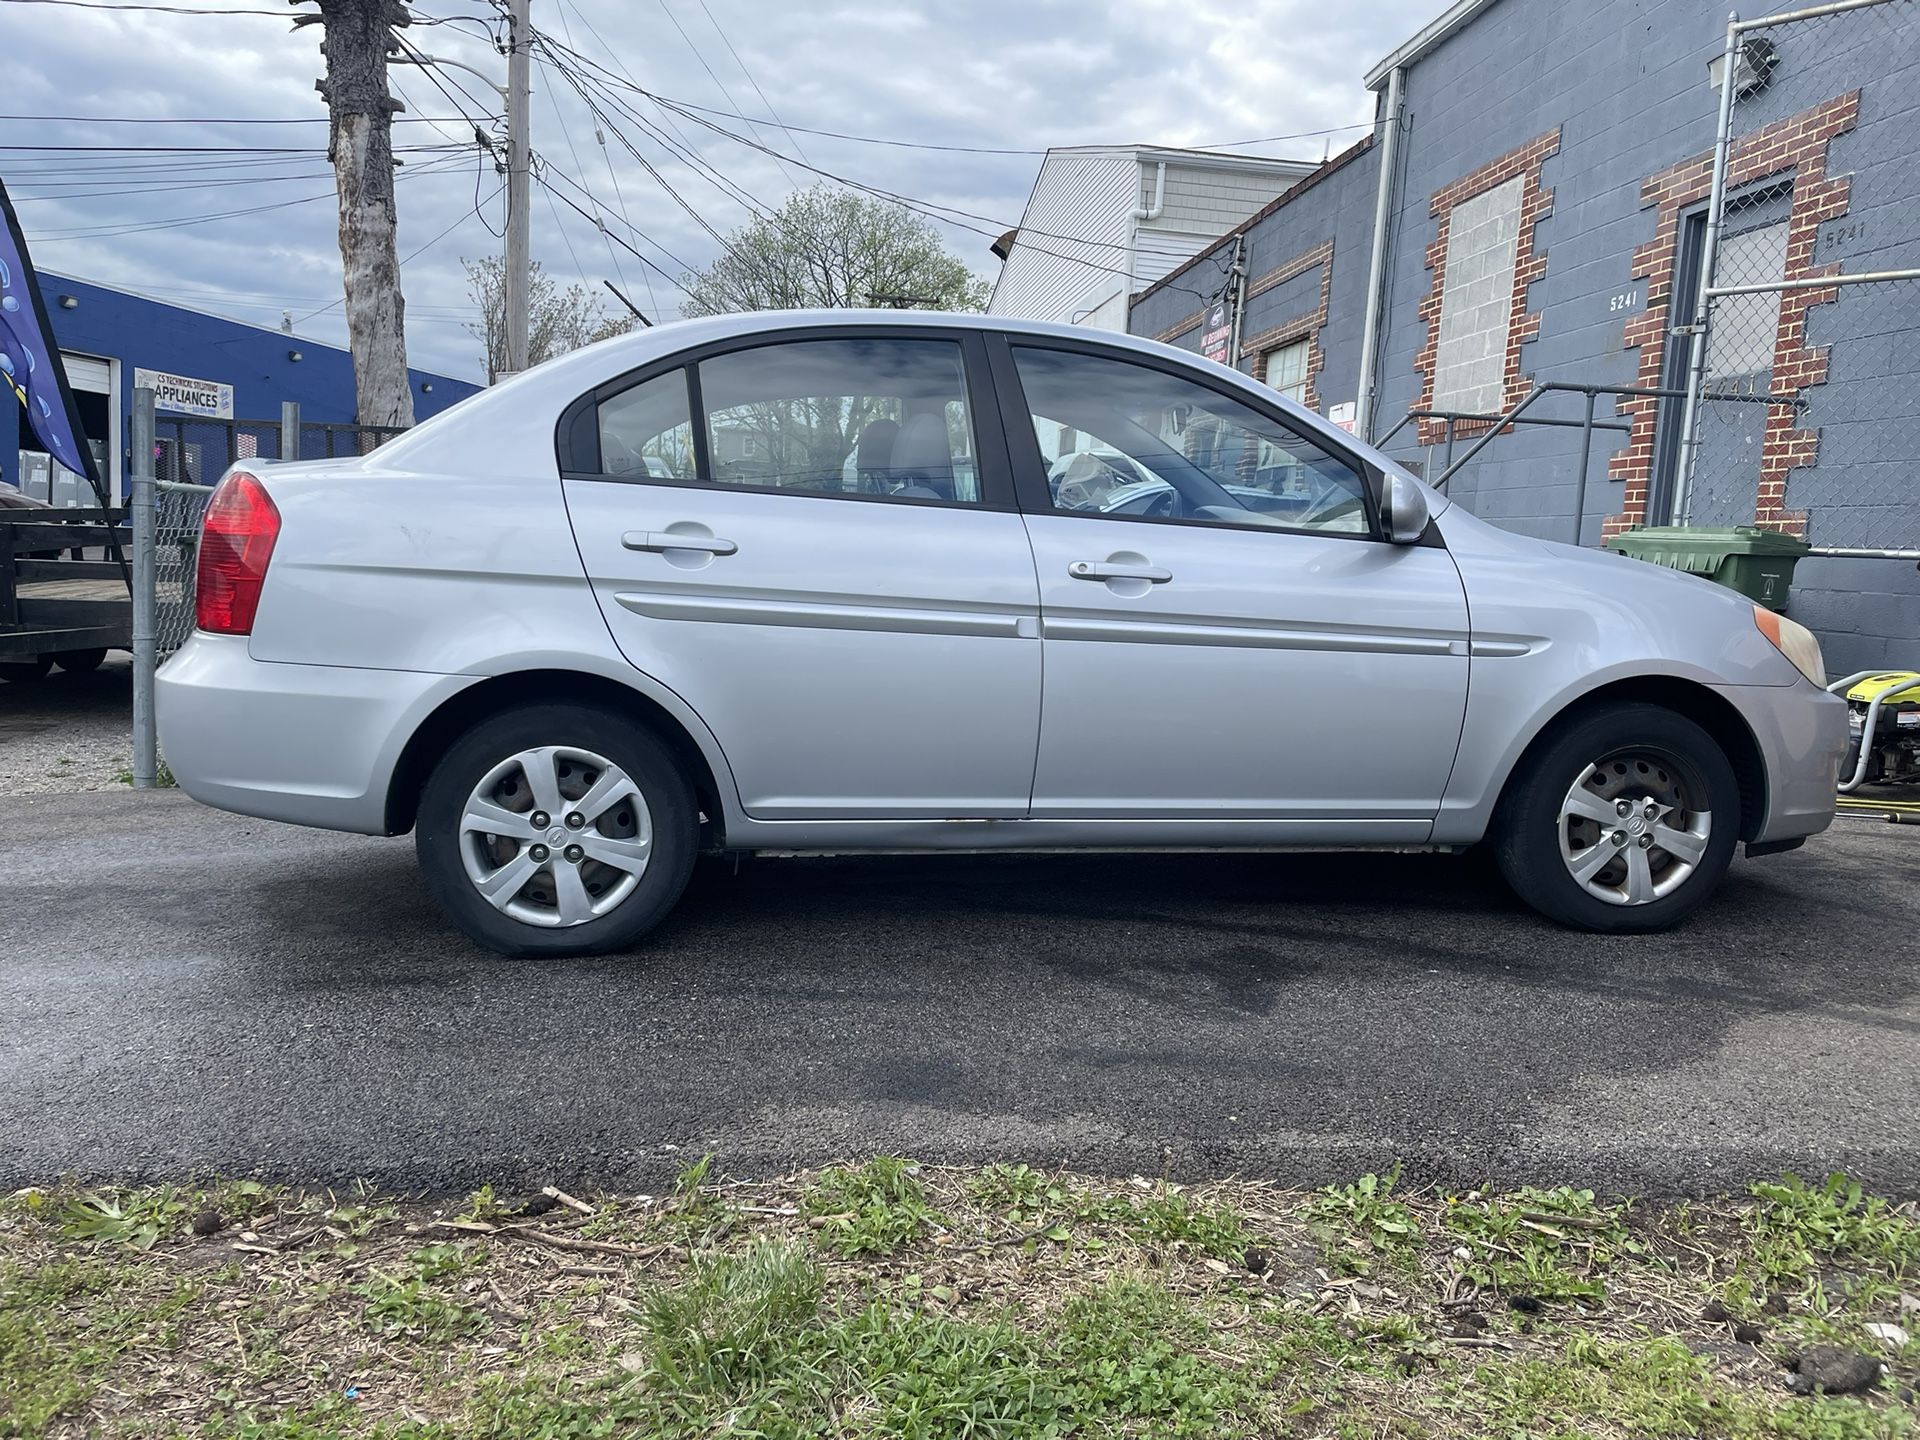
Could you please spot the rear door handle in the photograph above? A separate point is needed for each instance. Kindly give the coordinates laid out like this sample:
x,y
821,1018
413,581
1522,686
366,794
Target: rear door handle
x,y
659,541
1089,570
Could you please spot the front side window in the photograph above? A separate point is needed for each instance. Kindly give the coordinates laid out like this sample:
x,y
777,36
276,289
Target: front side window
x,y
845,416
648,430
1118,438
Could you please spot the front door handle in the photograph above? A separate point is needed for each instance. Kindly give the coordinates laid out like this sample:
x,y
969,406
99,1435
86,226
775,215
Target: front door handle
x,y
1090,570
660,541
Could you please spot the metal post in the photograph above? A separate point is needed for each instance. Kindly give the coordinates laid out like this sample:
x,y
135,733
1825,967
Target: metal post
x,y
1448,461
146,745
1709,256
519,158
1586,461
289,430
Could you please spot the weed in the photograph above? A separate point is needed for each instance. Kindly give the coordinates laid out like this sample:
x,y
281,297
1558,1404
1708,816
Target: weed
x,y
1359,1224
1547,1243
1171,1217
129,1217
872,1209
1796,1223
408,1307
688,1184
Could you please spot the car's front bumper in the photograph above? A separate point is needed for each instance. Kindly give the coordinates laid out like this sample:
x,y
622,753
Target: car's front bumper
x,y
1802,733
309,744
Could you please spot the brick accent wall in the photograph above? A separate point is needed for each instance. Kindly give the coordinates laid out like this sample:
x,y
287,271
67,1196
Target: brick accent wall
x,y
1795,146
1298,327
1529,265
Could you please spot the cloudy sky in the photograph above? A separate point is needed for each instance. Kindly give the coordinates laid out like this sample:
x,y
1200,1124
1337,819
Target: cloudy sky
x,y
198,199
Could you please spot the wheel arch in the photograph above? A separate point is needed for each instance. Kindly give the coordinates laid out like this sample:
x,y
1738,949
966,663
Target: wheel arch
x,y
1712,713
468,707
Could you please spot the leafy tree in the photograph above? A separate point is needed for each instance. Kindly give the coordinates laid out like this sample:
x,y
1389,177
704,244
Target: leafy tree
x,y
558,320
832,249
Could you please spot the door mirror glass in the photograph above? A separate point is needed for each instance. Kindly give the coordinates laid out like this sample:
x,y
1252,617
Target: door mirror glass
x,y
1403,509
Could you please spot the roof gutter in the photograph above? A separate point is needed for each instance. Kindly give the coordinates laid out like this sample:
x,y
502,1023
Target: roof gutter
x,y
1377,259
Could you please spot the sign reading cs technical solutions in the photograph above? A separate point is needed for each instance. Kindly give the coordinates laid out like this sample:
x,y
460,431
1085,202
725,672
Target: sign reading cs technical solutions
x,y
184,395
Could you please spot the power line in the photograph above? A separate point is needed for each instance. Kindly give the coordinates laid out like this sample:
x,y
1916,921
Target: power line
x,y
213,120
102,232
718,82
150,9
798,150
405,259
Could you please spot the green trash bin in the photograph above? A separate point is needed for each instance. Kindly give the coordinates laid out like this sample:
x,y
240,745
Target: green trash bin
x,y
1758,563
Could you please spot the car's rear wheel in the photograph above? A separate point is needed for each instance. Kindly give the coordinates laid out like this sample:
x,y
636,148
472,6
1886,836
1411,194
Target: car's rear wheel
x,y
1622,821
556,830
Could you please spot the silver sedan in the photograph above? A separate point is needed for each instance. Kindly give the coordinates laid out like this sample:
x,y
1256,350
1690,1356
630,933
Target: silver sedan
x,y
885,582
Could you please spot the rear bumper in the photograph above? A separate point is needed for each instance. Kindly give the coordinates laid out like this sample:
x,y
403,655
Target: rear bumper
x,y
308,744
1802,733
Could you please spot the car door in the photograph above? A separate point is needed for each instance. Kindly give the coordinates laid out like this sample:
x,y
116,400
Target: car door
x,y
801,536
1225,633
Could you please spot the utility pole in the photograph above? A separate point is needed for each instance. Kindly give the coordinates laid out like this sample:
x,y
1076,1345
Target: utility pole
x,y
519,165
358,37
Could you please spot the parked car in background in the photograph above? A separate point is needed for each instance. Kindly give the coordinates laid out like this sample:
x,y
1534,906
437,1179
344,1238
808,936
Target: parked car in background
x,y
568,673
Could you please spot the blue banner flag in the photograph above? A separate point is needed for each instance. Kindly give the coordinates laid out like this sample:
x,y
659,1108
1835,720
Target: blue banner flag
x,y
30,360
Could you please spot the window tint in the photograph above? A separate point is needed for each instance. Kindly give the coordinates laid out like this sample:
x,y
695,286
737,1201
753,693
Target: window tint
x,y
854,416
1123,439
648,430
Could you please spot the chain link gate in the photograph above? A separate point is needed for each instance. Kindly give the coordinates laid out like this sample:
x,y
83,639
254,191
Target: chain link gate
x,y
1802,410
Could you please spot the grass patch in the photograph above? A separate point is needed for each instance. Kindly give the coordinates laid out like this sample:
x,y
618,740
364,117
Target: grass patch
x,y
892,1299
871,1209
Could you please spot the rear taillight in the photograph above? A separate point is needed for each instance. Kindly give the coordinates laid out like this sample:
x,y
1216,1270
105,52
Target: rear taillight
x,y
235,545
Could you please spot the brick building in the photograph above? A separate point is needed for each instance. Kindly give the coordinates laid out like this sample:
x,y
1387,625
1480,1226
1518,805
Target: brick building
x,y
1543,220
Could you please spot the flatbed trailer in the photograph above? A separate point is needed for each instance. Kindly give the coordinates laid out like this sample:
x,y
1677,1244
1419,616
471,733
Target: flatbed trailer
x,y
63,598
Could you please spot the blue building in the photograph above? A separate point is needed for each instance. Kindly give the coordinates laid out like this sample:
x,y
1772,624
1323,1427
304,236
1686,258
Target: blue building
x,y
206,370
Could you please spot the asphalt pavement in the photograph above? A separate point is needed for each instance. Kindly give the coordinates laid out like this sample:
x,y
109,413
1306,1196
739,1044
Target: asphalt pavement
x,y
185,992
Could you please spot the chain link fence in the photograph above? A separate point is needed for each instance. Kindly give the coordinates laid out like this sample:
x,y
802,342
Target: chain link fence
x,y
1803,396
176,461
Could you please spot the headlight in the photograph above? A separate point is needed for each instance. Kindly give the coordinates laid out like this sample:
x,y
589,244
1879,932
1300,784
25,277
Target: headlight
x,y
1794,641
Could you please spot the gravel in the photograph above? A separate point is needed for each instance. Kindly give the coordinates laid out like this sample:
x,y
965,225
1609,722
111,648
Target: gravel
x,y
67,733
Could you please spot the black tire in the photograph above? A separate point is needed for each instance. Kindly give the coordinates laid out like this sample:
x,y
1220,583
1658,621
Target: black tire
x,y
1673,757
80,662
670,805
21,672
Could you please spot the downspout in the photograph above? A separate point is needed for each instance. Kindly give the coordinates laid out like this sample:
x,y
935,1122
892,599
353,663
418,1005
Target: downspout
x,y
1152,212
1377,261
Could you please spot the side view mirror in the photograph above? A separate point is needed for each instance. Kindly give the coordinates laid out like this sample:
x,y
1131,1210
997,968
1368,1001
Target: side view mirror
x,y
1403,509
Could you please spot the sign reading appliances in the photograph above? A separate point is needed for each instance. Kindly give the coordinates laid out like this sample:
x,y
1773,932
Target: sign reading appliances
x,y
183,395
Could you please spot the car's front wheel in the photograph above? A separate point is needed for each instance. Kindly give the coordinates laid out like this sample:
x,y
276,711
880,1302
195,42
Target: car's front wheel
x,y
556,830
1623,821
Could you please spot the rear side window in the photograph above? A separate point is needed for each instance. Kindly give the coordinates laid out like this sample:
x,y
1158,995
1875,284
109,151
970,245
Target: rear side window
x,y
648,430
850,416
